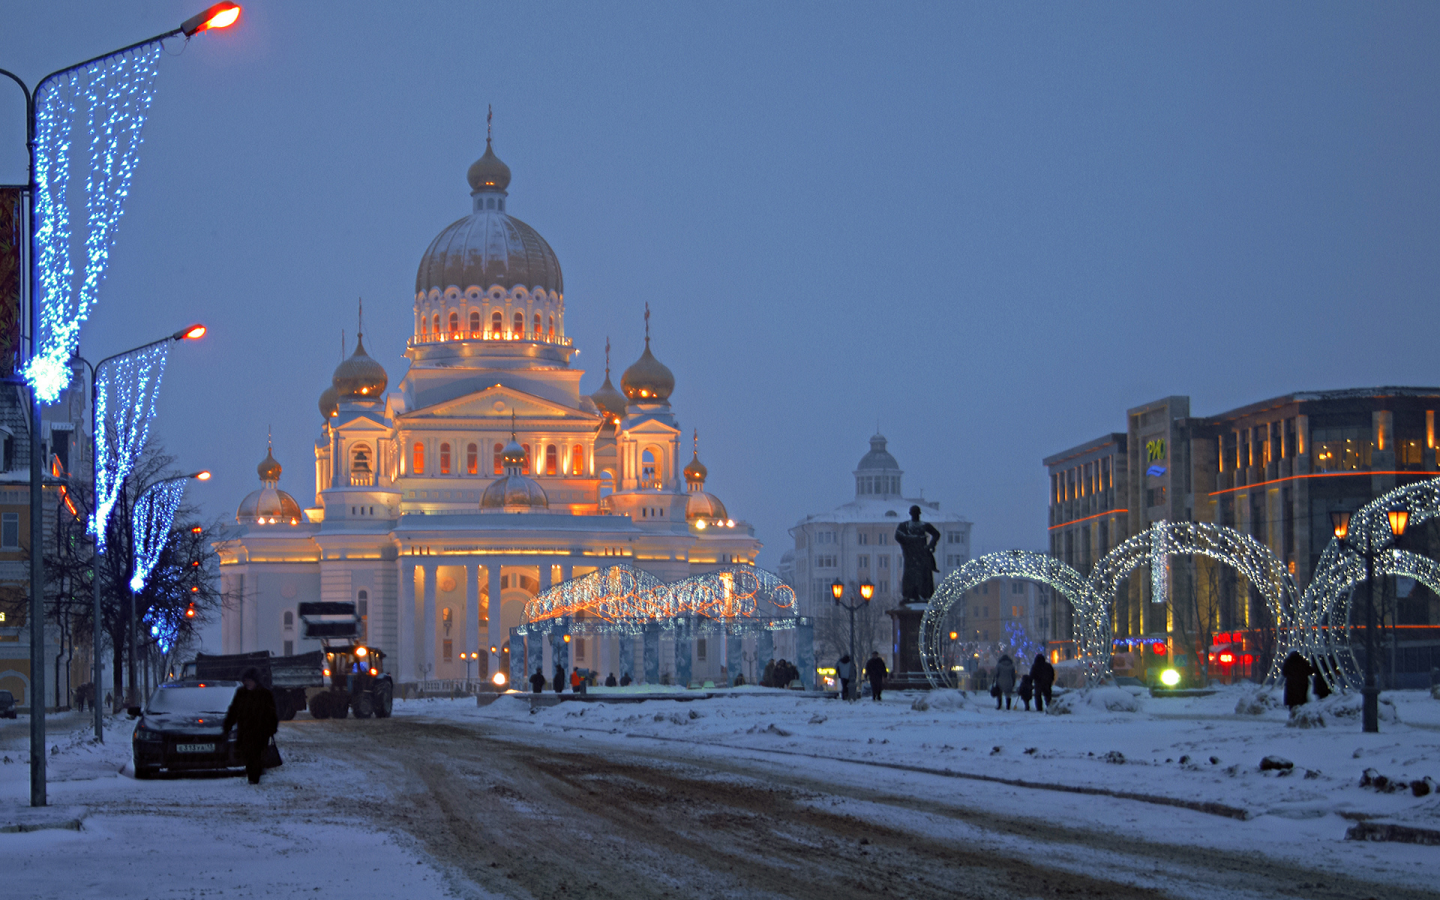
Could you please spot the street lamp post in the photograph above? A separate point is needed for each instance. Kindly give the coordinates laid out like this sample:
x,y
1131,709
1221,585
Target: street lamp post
x,y
194,332
220,15
467,657
133,697
1340,522
867,590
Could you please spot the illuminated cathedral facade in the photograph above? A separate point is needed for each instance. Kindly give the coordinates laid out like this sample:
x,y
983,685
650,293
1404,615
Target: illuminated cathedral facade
x,y
485,477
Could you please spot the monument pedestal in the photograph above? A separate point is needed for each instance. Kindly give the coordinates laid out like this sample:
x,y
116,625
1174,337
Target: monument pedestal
x,y
906,672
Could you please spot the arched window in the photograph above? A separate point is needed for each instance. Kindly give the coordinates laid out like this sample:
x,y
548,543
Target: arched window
x,y
474,322
445,459
552,329
495,325
539,332
417,459
436,322
472,460
362,473
647,470
552,460
454,324
607,484
289,620
424,325
526,469
499,463
577,460
519,326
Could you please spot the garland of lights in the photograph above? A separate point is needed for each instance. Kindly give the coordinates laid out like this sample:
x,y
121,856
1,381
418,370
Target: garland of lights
x,y
1008,564
1326,608
622,599
154,514
116,94
132,383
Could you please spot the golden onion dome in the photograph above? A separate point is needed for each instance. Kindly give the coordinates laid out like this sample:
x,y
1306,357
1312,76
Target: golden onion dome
x,y
513,456
610,401
514,493
360,377
330,402
269,470
704,506
488,173
695,472
647,379
268,506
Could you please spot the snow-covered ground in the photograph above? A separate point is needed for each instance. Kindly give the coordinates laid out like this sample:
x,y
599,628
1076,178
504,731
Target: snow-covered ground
x,y
192,837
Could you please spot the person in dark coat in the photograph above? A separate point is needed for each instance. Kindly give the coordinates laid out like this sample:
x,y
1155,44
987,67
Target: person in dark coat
x,y
252,715
1322,687
1296,672
610,680
537,682
1026,690
625,680
845,671
1004,680
559,678
769,677
875,671
1042,676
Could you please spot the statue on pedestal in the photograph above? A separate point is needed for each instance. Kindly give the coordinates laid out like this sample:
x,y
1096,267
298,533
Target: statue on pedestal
x,y
918,541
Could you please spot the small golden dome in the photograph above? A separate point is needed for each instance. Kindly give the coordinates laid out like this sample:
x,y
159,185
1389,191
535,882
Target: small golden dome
x,y
514,493
695,472
269,469
513,456
488,173
330,402
704,506
647,379
360,377
610,401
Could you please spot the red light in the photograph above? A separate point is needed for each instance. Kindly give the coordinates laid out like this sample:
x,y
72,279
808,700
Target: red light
x,y
1227,658
1159,649
1248,659
1222,638
190,613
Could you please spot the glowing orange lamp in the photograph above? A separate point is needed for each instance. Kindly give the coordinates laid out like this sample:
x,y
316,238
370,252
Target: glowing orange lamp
x,y
1399,518
221,15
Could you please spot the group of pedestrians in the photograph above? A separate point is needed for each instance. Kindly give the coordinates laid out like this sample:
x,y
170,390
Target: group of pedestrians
x,y
1298,672
1037,684
778,673
875,673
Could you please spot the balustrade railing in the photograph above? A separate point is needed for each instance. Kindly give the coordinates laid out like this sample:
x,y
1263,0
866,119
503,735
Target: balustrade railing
x,y
487,335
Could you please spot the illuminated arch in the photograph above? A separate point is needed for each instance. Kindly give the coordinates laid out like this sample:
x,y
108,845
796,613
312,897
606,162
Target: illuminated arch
x,y
622,598
1019,564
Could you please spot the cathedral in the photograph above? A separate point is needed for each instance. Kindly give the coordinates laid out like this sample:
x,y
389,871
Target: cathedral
x,y
485,477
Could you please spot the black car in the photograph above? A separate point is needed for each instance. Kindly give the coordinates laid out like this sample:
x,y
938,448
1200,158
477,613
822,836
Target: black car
x,y
7,705
181,729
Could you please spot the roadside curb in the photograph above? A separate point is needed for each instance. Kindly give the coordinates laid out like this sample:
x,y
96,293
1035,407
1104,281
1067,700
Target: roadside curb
x,y
1371,830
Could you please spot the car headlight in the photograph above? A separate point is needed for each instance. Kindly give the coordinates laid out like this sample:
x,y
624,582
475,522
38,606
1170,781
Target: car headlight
x,y
145,734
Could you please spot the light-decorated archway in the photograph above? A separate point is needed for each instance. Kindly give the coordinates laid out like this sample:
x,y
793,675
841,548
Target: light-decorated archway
x,y
1324,611
1021,564
1256,562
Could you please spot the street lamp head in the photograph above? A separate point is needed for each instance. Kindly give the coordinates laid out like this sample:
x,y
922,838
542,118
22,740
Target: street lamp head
x,y
193,333
221,15
954,635
1399,518
837,589
1340,522
201,476
867,590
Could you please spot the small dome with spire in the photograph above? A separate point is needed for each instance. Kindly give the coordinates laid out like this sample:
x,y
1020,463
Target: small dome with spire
x,y
610,401
695,472
360,377
647,379
269,470
330,402
269,505
702,505
488,173
513,492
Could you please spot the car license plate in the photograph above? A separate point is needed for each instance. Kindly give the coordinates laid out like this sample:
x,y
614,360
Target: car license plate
x,y
194,748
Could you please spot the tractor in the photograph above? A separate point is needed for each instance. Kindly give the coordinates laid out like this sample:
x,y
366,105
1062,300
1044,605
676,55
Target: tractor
x,y
355,676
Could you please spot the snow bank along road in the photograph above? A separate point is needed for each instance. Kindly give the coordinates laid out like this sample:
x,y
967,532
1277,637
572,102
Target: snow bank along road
x,y
674,799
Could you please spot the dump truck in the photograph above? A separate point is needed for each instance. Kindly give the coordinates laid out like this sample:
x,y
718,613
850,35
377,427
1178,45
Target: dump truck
x,y
289,678
355,676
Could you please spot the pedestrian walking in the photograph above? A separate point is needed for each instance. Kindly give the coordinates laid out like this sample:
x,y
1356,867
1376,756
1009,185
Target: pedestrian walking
x,y
625,680
577,682
537,682
252,715
769,679
1322,687
559,678
610,680
1296,671
1042,676
1026,689
875,671
845,671
1004,680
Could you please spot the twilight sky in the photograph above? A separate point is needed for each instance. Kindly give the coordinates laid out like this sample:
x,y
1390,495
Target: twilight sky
x,y
988,228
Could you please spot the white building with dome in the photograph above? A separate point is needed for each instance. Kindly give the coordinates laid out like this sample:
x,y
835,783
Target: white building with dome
x,y
485,477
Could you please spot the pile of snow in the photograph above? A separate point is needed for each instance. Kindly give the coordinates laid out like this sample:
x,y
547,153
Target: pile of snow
x,y
1257,699
1339,709
1108,699
941,700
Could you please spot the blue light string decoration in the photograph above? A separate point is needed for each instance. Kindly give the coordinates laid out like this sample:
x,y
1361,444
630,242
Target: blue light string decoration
x,y
131,385
154,514
115,94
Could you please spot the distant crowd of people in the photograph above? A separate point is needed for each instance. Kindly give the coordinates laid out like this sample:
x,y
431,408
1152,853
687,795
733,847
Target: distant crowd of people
x,y
1038,684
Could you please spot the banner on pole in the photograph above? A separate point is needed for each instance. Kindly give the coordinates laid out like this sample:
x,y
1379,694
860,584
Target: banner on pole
x,y
12,238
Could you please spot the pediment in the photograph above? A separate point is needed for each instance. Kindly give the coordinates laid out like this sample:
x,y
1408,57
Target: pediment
x,y
499,402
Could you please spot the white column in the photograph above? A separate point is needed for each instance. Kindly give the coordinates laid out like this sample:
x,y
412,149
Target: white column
x,y
405,664
472,608
427,623
492,613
